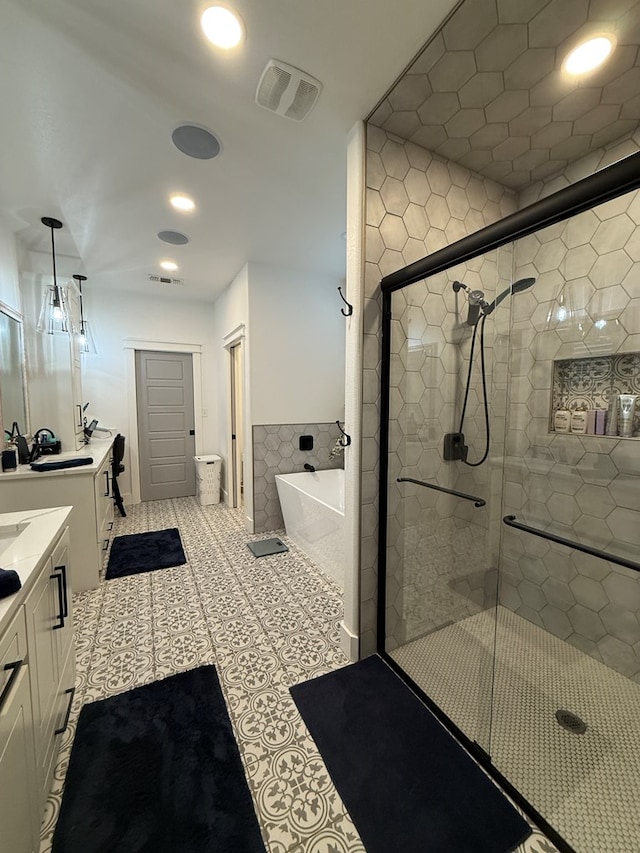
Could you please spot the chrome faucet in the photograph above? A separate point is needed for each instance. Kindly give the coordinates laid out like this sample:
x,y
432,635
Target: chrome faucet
x,y
338,448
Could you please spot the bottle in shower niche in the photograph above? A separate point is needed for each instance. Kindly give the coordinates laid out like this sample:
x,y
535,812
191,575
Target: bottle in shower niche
x,y
627,412
579,421
562,420
611,427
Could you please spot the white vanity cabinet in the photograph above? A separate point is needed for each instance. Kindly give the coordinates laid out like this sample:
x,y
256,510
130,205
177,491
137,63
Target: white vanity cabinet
x,y
19,806
103,496
37,672
52,669
87,488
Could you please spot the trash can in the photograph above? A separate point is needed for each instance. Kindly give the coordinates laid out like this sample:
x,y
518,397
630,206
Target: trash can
x,y
208,478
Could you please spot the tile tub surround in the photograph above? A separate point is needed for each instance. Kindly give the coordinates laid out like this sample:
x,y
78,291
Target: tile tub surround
x,y
275,451
265,624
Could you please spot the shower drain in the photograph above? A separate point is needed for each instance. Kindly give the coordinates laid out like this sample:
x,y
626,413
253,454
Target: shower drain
x,y
571,722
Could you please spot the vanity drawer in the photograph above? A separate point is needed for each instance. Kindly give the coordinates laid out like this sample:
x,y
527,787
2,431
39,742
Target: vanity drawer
x,y
13,646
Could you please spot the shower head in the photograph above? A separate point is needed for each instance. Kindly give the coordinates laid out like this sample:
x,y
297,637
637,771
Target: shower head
x,y
476,302
516,287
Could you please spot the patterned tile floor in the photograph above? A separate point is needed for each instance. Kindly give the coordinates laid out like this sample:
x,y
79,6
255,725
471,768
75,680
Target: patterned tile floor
x,y
266,624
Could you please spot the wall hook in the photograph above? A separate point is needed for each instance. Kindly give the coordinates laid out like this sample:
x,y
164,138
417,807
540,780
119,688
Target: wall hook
x,y
347,440
349,310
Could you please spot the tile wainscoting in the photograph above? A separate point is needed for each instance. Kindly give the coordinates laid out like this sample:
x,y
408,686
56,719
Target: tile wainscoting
x,y
276,451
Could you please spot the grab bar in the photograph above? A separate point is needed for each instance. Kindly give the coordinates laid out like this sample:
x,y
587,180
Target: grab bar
x,y
477,501
510,521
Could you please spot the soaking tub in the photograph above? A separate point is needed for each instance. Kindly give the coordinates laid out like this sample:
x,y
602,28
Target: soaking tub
x,y
313,510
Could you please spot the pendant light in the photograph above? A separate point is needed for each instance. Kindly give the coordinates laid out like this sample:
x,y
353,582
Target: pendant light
x,y
85,336
54,313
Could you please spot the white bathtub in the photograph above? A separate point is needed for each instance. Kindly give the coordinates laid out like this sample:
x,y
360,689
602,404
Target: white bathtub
x,y
313,510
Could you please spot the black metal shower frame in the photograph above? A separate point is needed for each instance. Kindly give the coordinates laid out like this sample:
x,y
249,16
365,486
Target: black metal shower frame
x,y
609,183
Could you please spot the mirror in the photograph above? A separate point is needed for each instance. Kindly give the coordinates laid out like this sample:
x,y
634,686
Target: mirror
x,y
13,396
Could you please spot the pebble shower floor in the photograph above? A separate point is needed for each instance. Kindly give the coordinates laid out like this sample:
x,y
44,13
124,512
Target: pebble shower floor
x,y
266,624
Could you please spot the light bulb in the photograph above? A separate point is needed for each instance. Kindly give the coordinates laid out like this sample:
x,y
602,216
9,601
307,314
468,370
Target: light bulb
x,y
182,203
169,266
588,55
222,27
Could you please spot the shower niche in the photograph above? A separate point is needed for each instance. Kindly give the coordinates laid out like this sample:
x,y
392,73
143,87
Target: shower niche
x,y
588,385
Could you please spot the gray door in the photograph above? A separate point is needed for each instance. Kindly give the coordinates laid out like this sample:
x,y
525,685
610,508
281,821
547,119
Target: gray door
x,y
166,435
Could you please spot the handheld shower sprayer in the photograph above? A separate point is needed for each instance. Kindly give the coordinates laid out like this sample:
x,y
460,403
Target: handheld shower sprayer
x,y
454,444
516,287
476,302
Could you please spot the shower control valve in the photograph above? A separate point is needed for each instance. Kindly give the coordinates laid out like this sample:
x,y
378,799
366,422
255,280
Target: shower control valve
x,y
454,447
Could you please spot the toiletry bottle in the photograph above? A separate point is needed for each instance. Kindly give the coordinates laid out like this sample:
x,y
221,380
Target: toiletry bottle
x,y
627,414
579,421
562,420
612,416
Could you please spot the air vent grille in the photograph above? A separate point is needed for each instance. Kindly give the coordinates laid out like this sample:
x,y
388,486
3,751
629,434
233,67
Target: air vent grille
x,y
273,87
287,91
164,279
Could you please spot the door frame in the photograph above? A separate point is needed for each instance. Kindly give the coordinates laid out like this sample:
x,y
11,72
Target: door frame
x,y
131,345
231,340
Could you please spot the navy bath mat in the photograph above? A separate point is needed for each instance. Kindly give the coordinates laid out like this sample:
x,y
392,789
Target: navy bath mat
x,y
407,784
158,769
145,552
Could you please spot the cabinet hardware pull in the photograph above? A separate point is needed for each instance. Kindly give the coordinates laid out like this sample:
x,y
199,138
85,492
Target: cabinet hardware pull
x,y
60,601
106,485
71,693
65,599
79,408
14,666
106,545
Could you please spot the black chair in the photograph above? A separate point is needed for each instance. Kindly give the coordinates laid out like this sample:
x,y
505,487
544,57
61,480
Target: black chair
x,y
117,468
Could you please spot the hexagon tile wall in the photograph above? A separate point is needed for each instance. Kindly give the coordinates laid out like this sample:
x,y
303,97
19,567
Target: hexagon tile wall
x,y
417,202
275,451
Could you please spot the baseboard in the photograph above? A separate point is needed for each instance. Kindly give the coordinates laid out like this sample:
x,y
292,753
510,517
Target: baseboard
x,y
349,643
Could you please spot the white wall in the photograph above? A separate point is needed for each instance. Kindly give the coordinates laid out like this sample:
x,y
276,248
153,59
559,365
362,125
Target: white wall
x,y
9,285
231,319
116,316
297,346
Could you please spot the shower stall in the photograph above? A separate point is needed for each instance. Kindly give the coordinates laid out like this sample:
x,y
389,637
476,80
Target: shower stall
x,y
509,550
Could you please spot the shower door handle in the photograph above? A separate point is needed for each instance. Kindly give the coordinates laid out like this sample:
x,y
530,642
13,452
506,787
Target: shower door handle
x,y
511,521
478,502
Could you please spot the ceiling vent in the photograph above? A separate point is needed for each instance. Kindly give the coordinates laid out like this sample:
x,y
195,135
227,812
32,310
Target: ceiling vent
x,y
165,279
287,91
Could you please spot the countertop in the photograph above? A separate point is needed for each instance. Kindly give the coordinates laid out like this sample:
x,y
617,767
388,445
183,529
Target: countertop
x,y
97,449
26,554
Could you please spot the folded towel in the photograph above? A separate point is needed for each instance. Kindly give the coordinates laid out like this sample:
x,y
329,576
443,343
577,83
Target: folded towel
x,y
9,582
63,463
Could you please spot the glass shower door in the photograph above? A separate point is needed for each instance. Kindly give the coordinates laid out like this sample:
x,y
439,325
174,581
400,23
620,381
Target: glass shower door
x,y
566,705
443,520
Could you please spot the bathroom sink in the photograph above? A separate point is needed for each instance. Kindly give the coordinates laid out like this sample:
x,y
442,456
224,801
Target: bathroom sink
x,y
9,533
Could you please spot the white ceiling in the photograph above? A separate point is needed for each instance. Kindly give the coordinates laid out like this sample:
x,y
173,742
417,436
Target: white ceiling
x,y
90,91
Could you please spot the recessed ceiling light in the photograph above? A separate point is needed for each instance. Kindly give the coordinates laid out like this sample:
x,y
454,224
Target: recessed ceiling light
x,y
173,237
182,202
222,26
169,266
589,55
